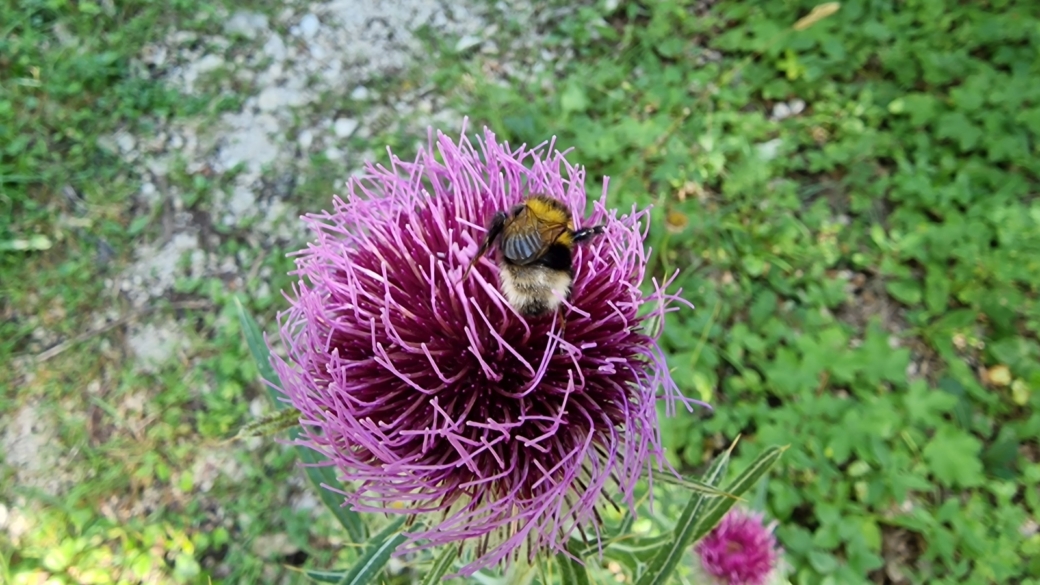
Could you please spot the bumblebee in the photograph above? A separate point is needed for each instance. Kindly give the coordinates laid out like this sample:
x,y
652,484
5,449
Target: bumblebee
x,y
536,240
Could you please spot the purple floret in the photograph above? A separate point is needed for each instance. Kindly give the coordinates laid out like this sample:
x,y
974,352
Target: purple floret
x,y
740,550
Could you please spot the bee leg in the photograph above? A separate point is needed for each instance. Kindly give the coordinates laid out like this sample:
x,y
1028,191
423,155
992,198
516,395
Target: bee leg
x,y
562,313
584,234
494,230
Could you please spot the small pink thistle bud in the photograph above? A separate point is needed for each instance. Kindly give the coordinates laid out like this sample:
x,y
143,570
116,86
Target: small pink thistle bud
x,y
740,550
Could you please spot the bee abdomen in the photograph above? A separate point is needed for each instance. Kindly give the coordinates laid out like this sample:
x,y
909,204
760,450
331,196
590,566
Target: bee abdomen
x,y
535,289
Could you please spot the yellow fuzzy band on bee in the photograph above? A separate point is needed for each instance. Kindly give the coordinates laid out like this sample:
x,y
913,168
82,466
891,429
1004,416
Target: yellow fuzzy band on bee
x,y
548,210
566,238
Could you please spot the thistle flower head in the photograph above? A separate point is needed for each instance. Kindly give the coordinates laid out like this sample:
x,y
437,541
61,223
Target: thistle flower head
x,y
740,550
431,393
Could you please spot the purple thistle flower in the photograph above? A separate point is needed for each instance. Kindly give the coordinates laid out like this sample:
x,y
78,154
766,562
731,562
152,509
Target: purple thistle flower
x,y
740,550
433,394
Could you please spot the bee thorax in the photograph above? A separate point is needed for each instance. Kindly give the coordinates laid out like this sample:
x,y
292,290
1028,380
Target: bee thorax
x,y
534,290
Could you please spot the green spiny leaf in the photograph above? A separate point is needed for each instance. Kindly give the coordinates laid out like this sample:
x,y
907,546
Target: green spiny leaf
x,y
321,473
258,347
270,425
441,565
693,485
693,523
572,572
376,555
317,467
716,509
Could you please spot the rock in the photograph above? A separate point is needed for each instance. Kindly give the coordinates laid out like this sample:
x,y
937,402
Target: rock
x,y
159,165
332,73
305,501
333,154
108,144
246,24
467,42
183,37
247,139
769,149
149,194
210,465
360,93
309,26
783,110
270,546
274,98
241,202
190,74
257,407
157,270
270,76
197,259
155,55
270,99
245,76
31,446
154,345
344,127
155,143
275,48
209,63
305,139
318,53
126,142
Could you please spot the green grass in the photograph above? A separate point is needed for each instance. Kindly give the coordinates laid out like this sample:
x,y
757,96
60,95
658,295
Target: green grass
x,y
868,295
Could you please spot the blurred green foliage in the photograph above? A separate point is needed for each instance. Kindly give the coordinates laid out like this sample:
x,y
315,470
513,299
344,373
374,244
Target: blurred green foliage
x,y
865,269
128,509
62,64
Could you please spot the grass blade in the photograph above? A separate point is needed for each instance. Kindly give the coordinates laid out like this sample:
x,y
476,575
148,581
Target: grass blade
x,y
325,576
318,474
693,523
441,565
376,555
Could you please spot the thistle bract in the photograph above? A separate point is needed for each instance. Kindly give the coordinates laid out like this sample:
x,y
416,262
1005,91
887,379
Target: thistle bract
x,y
431,394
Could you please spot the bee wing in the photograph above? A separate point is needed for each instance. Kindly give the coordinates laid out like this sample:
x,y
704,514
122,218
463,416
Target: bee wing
x,y
526,239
